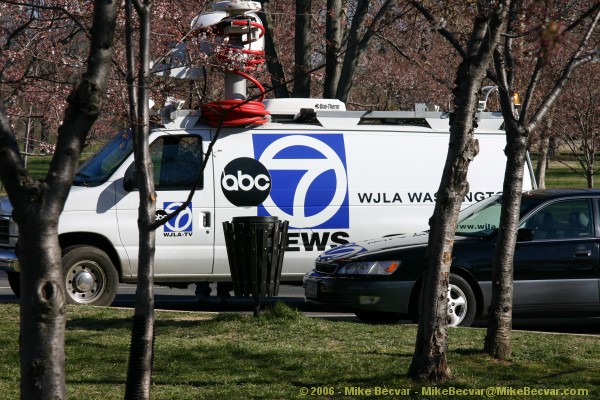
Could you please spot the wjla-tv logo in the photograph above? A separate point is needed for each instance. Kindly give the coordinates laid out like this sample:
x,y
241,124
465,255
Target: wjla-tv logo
x,y
179,225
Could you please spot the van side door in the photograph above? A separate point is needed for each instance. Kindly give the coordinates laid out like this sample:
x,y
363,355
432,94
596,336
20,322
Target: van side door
x,y
184,244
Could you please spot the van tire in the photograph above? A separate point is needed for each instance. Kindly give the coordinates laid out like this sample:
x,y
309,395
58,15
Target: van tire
x,y
378,317
14,281
90,276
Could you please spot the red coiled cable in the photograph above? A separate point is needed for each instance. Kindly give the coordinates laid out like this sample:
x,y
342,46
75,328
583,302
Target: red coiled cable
x,y
237,112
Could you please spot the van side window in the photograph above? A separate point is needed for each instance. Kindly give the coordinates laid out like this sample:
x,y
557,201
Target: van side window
x,y
177,161
570,219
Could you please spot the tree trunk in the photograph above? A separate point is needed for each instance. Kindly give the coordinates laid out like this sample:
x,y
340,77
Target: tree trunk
x,y
141,352
498,341
37,207
359,38
542,162
43,307
302,49
498,337
429,359
273,63
44,130
352,54
333,42
590,167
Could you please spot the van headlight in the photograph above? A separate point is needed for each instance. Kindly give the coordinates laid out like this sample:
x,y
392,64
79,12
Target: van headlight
x,y
369,268
13,229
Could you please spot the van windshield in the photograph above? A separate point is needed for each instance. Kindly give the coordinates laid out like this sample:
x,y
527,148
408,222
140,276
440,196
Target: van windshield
x,y
104,163
483,219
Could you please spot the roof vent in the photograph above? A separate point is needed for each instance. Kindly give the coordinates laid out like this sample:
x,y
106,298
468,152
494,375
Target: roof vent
x,y
306,115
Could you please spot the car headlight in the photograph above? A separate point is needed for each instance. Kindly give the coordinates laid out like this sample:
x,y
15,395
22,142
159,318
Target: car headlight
x,y
369,268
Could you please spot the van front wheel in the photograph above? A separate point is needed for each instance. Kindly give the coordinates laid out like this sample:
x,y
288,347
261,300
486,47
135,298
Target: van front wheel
x,y
14,281
90,276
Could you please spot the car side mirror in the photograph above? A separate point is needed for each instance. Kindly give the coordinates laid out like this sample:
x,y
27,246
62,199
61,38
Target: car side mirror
x,y
525,235
130,179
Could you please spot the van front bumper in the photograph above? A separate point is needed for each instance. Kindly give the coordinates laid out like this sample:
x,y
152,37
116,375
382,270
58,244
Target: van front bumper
x,y
356,294
8,260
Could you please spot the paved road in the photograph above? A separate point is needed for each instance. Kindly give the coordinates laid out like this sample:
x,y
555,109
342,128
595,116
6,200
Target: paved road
x,y
185,299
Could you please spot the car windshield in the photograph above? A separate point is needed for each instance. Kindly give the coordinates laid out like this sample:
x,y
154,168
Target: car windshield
x,y
482,219
103,164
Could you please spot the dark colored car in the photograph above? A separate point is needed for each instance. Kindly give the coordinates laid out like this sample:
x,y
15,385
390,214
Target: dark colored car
x,y
556,263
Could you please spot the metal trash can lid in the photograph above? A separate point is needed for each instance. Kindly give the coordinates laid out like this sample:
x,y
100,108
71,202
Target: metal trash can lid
x,y
255,219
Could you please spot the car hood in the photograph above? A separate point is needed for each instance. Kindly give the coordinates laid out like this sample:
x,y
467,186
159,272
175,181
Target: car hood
x,y
384,244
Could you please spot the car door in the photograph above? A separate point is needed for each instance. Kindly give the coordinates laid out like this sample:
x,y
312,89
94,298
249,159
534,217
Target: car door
x,y
559,267
184,244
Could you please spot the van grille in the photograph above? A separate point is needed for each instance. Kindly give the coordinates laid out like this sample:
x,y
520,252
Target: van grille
x,y
325,268
4,235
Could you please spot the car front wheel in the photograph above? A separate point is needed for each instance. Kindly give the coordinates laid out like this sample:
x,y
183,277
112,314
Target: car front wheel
x,y
462,305
461,302
90,276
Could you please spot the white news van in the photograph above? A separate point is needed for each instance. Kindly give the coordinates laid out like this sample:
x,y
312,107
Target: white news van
x,y
337,176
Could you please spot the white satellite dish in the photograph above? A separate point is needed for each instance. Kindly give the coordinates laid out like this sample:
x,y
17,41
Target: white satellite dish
x,y
207,19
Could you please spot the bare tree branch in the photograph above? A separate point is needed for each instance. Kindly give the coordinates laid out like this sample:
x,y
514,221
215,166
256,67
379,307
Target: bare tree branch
x,y
440,29
578,59
44,7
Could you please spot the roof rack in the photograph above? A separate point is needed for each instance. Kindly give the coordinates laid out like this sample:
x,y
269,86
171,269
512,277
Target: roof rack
x,y
332,114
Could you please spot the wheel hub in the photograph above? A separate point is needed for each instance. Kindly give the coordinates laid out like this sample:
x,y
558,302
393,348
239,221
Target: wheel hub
x,y
83,281
457,305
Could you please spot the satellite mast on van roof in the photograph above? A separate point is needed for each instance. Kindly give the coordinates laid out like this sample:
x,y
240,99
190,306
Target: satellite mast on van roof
x,y
238,44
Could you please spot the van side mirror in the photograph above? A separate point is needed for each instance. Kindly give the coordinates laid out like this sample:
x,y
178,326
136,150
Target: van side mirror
x,y
130,179
525,235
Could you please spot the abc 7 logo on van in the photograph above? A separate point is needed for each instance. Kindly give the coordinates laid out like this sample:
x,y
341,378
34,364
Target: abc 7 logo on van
x,y
245,182
309,174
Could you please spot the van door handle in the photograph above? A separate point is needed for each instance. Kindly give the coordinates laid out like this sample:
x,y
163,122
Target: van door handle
x,y
206,219
583,253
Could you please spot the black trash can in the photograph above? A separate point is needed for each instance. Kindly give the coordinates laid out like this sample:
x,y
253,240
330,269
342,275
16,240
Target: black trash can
x,y
255,248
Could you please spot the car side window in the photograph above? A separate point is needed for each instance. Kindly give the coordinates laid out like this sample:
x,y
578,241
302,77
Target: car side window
x,y
177,161
569,219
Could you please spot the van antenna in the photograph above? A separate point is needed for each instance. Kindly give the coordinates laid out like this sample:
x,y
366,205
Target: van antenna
x,y
487,90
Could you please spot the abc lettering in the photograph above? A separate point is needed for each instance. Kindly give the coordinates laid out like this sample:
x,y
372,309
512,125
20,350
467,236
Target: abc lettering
x,y
266,181
245,182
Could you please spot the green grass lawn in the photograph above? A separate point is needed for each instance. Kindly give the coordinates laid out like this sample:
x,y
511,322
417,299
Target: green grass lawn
x,y
559,175
38,166
283,354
